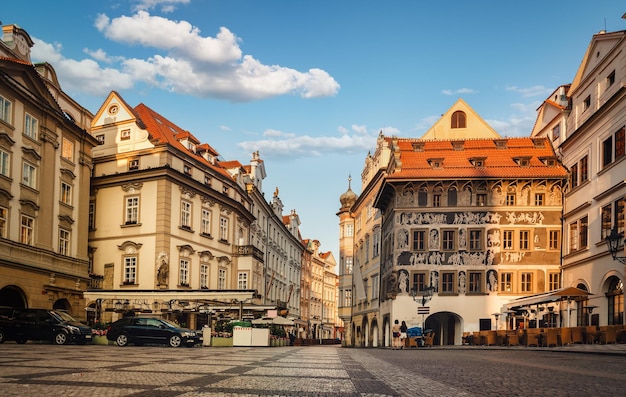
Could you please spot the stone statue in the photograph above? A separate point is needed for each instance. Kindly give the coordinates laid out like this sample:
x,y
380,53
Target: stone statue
x,y
163,269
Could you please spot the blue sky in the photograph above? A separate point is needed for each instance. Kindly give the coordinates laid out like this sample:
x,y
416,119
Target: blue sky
x,y
310,84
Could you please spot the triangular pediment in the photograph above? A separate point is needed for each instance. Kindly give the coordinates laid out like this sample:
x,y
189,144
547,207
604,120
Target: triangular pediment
x,y
114,110
448,126
28,80
600,48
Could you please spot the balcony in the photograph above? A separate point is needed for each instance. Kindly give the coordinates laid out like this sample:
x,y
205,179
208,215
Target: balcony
x,y
95,281
248,250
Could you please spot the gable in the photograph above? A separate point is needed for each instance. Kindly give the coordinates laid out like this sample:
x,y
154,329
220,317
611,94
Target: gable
x,y
23,77
448,126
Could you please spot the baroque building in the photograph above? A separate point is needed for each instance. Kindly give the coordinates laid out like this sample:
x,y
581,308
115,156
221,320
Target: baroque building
x,y
169,225
45,166
472,215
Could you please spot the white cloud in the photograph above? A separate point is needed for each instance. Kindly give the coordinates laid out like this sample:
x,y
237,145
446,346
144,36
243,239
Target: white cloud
x,y
343,130
360,129
225,128
298,146
209,67
459,91
82,75
537,90
166,5
277,134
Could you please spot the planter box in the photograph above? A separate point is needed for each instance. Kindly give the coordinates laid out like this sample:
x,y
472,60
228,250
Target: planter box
x,y
221,342
99,340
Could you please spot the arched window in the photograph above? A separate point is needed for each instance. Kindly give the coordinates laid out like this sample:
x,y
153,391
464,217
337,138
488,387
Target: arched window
x,y
615,297
458,120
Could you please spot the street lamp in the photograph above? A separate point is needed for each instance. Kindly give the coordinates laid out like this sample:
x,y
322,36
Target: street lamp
x,y
424,296
614,241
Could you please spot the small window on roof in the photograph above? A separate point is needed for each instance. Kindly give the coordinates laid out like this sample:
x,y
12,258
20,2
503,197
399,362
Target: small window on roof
x,y
458,120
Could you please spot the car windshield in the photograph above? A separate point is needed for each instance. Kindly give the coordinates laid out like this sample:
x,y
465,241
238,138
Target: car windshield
x,y
64,317
170,323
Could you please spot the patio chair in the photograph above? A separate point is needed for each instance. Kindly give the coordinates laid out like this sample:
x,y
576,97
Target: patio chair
x,y
552,337
591,334
566,336
609,335
532,337
577,335
512,338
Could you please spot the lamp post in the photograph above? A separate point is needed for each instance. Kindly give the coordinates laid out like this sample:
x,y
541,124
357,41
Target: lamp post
x,y
614,242
423,297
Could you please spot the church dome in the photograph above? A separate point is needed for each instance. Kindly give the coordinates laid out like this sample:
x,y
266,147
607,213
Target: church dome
x,y
348,199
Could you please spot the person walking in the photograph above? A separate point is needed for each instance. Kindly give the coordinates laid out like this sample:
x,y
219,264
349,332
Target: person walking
x,y
403,336
395,333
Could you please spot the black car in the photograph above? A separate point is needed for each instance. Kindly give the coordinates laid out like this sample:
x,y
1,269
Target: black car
x,y
43,325
150,330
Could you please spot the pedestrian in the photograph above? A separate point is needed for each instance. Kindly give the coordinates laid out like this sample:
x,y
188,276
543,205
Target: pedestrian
x,y
395,333
403,336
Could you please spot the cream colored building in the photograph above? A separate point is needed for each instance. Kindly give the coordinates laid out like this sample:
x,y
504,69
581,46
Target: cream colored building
x,y
591,142
45,166
169,224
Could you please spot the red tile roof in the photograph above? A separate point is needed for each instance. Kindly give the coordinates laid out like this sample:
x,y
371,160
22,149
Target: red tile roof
x,y
498,161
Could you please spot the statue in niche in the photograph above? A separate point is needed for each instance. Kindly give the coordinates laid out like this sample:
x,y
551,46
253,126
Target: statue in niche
x,y
462,239
555,196
462,282
407,197
492,281
497,197
403,284
163,269
403,239
434,280
465,198
433,240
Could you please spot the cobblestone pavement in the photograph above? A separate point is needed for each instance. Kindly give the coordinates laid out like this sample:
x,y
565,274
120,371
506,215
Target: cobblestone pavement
x,y
95,370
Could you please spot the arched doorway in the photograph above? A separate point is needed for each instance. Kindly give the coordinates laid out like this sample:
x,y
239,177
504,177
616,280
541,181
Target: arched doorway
x,y
366,333
615,300
13,296
374,329
447,327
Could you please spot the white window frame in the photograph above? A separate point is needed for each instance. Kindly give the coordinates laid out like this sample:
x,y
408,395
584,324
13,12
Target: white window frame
x,y
185,214
223,228
64,241
131,210
5,110
27,228
31,126
130,270
204,276
5,163
29,175
4,218
66,193
221,279
184,272
205,222
242,280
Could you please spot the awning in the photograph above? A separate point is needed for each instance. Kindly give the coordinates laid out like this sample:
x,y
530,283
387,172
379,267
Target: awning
x,y
567,293
275,321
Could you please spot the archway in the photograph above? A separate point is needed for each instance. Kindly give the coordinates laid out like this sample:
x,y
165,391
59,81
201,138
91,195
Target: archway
x,y
447,327
64,305
13,296
366,333
374,329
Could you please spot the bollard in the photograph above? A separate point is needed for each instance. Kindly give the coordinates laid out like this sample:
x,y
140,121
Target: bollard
x,y
206,335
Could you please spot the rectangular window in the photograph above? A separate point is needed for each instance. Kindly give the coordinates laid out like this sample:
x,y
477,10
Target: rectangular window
x,y
125,135
376,245
573,176
619,143
436,200
475,240
27,226
506,281
223,229
507,239
348,265
607,151
92,215
187,169
587,103
29,175
100,139
206,222
554,243
132,210
584,169
607,220
481,199
584,231
184,273
185,214
5,110
221,279
554,281
540,198
31,126
510,199
133,164
447,283
347,298
527,282
375,288
4,213
422,198
242,280
130,270
619,215
447,240
524,240
5,162
419,240
64,242
419,282
66,193
67,150
475,283
556,132
204,276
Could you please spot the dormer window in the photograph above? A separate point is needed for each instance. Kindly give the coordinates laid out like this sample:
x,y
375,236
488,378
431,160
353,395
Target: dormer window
x,y
458,120
522,161
549,161
418,146
478,162
436,163
125,135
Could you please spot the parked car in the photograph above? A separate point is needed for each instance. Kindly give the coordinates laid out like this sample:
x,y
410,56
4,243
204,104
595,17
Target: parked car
x,y
56,326
150,330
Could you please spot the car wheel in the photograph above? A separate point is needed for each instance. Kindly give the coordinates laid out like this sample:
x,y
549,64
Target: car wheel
x,y
122,340
1,336
175,340
60,338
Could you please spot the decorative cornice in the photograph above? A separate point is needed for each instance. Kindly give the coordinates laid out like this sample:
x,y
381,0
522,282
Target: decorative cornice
x,y
47,136
30,203
127,187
